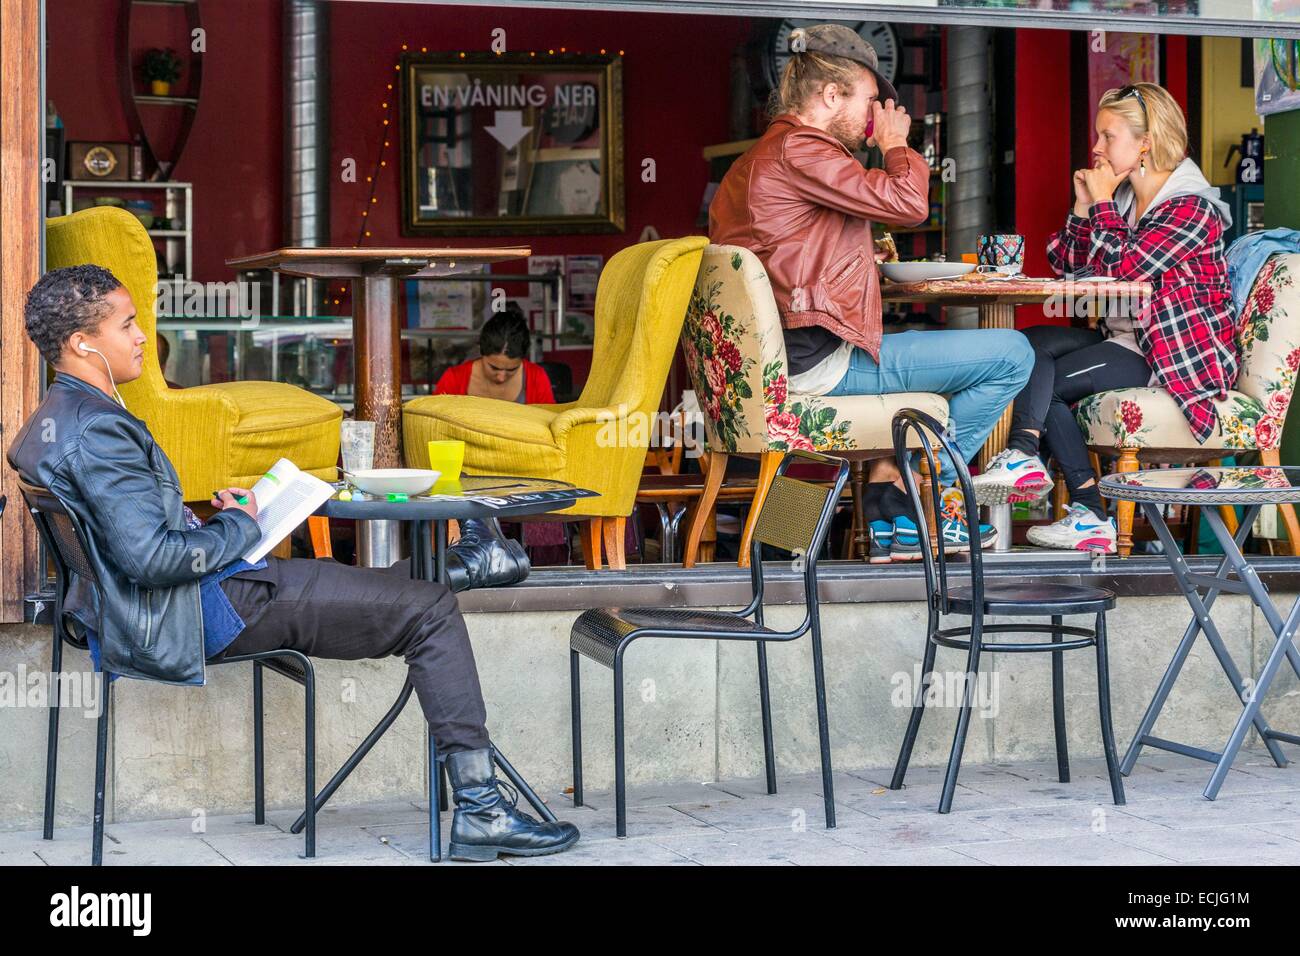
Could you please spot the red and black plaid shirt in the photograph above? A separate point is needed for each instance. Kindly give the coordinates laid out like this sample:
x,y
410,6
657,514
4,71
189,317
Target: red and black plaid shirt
x,y
1188,329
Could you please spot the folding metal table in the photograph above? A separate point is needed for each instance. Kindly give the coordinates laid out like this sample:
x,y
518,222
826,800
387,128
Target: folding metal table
x,y
1208,488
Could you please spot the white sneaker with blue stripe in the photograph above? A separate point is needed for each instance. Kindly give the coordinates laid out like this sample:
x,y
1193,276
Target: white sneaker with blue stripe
x,y
1079,530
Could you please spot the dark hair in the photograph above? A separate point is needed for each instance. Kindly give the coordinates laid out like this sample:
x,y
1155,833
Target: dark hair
x,y
65,301
506,333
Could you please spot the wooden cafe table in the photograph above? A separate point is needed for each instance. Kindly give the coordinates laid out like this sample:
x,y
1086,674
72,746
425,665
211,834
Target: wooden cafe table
x,y
997,299
375,322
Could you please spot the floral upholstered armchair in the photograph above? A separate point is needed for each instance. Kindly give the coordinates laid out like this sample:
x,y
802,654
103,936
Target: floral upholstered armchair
x,y
735,354
1144,425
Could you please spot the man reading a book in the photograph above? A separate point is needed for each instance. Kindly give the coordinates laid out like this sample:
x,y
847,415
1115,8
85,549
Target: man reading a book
x,y
165,576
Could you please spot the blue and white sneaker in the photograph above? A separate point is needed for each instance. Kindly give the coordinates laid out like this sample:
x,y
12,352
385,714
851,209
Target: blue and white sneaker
x,y
1012,476
1079,530
956,538
880,535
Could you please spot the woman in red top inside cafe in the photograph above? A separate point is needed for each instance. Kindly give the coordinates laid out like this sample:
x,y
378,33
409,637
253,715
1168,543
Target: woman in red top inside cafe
x,y
500,371
1143,212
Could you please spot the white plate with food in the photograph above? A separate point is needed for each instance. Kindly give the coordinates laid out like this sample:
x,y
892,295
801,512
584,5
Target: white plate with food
x,y
393,481
923,271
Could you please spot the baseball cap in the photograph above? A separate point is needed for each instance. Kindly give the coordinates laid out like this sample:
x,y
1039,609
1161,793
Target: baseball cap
x,y
836,39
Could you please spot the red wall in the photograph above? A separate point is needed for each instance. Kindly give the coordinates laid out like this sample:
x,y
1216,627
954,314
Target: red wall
x,y
675,82
1042,170
233,154
675,102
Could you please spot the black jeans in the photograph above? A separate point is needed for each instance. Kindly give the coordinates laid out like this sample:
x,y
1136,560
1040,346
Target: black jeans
x,y
336,612
1069,364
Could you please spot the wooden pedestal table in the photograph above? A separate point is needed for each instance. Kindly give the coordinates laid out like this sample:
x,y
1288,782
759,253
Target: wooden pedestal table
x,y
376,337
996,300
376,331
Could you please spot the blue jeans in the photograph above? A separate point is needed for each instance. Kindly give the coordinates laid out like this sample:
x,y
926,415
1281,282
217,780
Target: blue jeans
x,y
980,370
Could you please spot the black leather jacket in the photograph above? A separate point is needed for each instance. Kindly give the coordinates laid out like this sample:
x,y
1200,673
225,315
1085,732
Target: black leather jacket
x,y
103,464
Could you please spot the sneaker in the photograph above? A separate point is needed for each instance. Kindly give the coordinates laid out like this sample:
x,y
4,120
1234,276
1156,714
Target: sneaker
x,y
956,538
880,535
1079,530
1012,476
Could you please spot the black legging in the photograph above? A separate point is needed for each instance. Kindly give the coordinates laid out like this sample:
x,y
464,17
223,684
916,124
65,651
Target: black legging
x,y
1069,364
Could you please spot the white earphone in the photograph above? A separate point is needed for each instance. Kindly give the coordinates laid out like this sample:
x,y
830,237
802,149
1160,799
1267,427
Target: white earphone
x,y
88,348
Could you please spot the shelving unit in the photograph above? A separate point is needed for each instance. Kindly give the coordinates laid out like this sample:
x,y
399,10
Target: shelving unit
x,y
178,204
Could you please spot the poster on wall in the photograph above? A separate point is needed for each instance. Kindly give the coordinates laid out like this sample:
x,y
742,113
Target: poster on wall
x,y
511,144
1277,76
1116,60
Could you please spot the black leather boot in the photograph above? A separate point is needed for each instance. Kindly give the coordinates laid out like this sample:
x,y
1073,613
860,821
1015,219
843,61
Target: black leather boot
x,y
484,557
487,822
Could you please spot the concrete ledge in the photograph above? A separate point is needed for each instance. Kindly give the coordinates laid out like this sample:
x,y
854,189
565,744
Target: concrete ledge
x,y
847,582
692,708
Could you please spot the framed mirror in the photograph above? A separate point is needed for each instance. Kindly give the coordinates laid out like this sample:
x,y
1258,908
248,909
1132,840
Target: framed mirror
x,y
511,144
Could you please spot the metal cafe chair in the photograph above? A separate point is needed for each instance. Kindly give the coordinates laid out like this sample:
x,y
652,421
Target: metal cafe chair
x,y
978,599
796,517
65,540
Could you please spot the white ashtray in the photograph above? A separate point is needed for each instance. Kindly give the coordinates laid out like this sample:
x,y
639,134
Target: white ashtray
x,y
924,271
394,481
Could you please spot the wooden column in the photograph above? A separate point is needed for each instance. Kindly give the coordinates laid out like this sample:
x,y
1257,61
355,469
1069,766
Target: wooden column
x,y
997,315
22,122
377,364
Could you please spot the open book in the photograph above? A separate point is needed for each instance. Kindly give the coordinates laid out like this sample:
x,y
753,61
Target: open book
x,y
286,496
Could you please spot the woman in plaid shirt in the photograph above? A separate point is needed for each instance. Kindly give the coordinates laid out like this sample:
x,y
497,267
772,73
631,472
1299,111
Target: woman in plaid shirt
x,y
1143,212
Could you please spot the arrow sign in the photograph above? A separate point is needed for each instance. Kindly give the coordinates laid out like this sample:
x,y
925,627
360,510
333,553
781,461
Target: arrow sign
x,y
508,129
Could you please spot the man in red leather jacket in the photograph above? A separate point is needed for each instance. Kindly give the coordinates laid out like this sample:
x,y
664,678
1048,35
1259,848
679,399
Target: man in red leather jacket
x,y
804,205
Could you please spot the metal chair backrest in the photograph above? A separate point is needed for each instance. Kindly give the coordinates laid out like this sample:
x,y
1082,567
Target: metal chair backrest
x,y
796,517
65,539
930,433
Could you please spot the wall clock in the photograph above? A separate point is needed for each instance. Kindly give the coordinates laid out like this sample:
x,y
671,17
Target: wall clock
x,y
882,37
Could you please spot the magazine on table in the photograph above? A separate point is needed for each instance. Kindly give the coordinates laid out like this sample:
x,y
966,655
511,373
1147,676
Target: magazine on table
x,y
505,500
286,496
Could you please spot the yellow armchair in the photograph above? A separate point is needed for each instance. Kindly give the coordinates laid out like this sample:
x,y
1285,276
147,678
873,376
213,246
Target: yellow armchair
x,y
216,435
599,441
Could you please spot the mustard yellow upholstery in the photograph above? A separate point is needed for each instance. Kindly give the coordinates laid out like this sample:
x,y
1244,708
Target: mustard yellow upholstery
x,y
216,435
599,441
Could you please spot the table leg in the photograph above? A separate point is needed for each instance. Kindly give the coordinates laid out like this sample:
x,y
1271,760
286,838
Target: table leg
x,y
420,562
1250,578
1255,700
439,569
377,364
997,315
1201,621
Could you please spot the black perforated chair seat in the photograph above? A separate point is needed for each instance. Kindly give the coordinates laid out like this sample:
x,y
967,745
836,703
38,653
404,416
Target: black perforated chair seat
x,y
1034,599
597,632
288,666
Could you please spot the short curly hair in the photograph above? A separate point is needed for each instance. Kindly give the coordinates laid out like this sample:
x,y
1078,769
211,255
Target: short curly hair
x,y
65,301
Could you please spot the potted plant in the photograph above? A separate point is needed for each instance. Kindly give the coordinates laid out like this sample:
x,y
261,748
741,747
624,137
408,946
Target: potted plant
x,y
161,68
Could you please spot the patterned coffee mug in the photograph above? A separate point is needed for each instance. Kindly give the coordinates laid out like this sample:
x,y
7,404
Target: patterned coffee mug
x,y
1002,253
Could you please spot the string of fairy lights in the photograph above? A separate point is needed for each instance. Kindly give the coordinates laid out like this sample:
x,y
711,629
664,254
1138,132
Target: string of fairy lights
x,y
388,105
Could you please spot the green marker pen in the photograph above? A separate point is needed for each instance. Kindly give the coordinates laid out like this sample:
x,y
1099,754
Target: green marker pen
x,y
242,500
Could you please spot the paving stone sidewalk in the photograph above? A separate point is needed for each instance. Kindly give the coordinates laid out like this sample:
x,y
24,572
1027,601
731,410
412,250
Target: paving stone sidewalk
x,y
1016,813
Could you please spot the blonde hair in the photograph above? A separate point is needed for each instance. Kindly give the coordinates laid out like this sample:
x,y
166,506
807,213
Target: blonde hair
x,y
805,75
1163,121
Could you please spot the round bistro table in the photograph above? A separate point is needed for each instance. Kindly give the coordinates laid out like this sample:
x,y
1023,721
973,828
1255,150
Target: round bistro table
x,y
426,516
